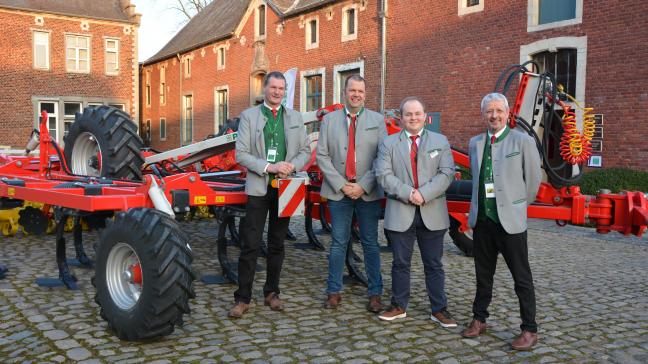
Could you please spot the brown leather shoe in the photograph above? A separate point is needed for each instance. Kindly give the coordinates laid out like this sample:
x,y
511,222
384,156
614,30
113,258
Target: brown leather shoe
x,y
272,300
333,300
392,314
475,329
238,310
525,341
444,318
374,305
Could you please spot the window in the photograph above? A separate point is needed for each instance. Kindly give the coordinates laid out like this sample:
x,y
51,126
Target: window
x,y
220,62
187,120
187,67
162,129
41,50
470,6
349,23
69,113
112,56
340,74
52,121
546,14
312,36
147,131
118,106
562,64
162,85
256,88
77,53
260,22
221,114
312,86
148,88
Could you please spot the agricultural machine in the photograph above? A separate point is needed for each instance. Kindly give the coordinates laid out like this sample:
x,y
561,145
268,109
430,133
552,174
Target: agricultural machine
x,y
105,179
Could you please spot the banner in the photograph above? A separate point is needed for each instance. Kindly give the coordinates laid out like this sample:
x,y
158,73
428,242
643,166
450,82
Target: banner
x,y
289,97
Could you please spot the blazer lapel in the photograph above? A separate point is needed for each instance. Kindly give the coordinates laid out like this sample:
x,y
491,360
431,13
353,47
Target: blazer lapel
x,y
261,121
404,150
480,144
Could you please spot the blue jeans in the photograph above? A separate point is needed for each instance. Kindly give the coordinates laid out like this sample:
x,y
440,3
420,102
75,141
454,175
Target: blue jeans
x,y
367,215
431,246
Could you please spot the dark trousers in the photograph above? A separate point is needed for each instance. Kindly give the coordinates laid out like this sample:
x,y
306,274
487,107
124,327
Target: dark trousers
x,y
256,212
430,244
490,239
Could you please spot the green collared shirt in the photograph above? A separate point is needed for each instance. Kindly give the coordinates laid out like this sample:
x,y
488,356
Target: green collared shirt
x,y
274,134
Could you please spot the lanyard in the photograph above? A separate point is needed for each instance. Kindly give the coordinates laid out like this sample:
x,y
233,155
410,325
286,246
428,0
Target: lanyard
x,y
275,124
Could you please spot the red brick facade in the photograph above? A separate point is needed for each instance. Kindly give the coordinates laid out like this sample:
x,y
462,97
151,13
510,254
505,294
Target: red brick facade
x,y
25,87
449,60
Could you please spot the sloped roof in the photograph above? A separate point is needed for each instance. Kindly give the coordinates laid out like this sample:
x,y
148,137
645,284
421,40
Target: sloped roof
x,y
97,9
216,21
293,7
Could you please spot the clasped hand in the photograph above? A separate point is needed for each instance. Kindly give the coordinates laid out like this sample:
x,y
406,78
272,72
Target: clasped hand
x,y
352,190
416,198
281,169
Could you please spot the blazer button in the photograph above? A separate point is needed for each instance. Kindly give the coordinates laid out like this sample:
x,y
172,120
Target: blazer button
x,y
345,148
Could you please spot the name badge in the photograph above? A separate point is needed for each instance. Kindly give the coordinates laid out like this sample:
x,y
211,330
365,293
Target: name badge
x,y
434,153
490,189
272,155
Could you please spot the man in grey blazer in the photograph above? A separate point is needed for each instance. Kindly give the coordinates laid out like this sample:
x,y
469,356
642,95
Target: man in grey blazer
x,y
271,144
347,146
415,167
505,165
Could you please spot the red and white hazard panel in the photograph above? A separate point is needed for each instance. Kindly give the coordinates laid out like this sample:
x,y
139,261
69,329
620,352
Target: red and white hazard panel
x,y
292,196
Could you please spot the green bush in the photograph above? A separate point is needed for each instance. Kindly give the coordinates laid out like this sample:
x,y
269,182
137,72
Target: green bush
x,y
613,179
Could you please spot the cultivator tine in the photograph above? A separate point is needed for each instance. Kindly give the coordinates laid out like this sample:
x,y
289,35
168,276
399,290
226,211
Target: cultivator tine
x,y
354,271
312,238
82,259
325,225
65,276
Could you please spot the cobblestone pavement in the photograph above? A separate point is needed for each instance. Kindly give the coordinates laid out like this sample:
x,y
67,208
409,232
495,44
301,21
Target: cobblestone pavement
x,y
592,298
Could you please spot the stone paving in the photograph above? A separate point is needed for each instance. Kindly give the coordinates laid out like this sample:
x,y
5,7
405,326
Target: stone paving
x,y
592,298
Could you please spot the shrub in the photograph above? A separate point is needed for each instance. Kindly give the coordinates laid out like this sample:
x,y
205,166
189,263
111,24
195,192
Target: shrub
x,y
613,179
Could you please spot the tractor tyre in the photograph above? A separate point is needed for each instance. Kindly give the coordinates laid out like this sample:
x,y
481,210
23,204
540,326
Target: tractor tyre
x,y
463,241
143,276
103,142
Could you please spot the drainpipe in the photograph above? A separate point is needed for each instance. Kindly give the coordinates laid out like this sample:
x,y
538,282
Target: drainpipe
x,y
383,55
180,92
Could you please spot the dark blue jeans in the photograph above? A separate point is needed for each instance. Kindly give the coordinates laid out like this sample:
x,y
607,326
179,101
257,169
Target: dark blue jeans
x,y
367,214
431,245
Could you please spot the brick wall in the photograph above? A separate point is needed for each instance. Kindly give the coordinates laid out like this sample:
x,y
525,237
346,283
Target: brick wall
x,y
450,61
21,83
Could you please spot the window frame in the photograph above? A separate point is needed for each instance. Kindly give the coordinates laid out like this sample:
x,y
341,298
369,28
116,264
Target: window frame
x,y
552,44
218,106
308,32
186,67
55,115
114,72
533,14
147,88
77,49
220,60
162,122
163,94
258,22
303,89
346,36
464,9
183,131
48,52
69,118
338,83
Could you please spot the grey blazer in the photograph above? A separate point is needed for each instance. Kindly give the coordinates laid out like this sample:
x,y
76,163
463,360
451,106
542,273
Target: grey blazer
x,y
516,175
250,146
332,153
435,173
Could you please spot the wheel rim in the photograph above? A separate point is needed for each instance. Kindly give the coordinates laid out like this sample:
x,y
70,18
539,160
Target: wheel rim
x,y
124,276
86,155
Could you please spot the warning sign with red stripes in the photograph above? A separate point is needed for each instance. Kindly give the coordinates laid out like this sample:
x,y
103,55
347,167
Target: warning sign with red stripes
x,y
292,195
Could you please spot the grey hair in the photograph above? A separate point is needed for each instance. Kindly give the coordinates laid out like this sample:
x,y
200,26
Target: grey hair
x,y
493,97
356,78
274,74
408,99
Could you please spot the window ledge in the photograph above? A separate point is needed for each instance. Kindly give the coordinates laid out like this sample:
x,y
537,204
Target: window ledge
x,y
556,24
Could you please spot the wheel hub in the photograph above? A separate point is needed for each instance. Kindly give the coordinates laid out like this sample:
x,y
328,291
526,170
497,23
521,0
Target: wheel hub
x,y
124,276
86,156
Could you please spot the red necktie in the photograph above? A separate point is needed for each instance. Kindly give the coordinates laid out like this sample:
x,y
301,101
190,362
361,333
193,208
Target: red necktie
x,y
274,113
413,152
350,160
493,138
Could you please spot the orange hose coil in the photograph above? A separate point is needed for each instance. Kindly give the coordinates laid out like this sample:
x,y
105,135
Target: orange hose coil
x,y
576,148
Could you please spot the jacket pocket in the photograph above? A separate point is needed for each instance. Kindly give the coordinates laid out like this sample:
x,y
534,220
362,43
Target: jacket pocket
x,y
522,200
512,154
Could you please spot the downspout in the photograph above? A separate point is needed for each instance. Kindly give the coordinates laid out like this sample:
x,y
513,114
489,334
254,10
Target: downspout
x,y
180,93
383,53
